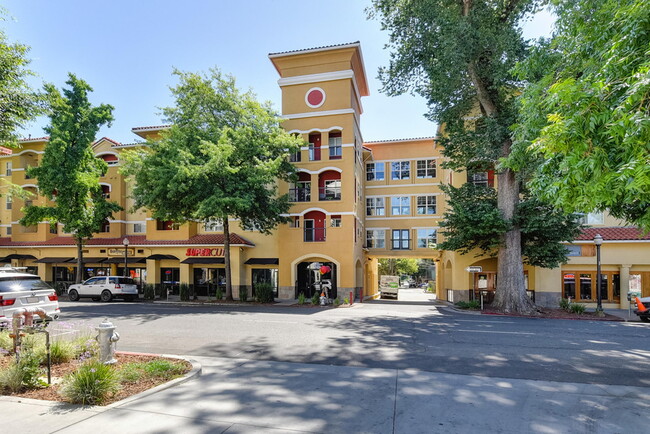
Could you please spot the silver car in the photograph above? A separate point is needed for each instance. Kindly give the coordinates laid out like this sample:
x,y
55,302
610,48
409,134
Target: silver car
x,y
104,288
20,290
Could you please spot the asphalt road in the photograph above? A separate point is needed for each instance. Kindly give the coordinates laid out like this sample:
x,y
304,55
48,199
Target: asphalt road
x,y
383,334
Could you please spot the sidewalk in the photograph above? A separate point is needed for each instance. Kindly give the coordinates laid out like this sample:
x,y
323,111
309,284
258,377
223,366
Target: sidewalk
x,y
246,396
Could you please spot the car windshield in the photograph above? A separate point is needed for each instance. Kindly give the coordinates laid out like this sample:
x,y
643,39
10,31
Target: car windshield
x,y
22,283
126,281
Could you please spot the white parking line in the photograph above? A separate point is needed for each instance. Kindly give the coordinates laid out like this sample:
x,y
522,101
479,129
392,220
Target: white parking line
x,y
492,331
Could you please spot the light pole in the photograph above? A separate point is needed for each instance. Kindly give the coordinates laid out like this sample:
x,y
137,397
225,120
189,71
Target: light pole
x,y
598,241
125,242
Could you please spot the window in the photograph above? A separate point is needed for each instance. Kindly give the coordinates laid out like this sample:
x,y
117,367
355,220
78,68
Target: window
x,y
138,228
375,171
166,225
106,191
426,238
9,230
376,239
335,146
592,218
426,169
295,157
314,147
400,239
54,229
301,192
400,169
375,206
213,226
110,159
574,250
400,205
336,221
332,190
426,205
295,222
8,168
106,226
485,179
9,202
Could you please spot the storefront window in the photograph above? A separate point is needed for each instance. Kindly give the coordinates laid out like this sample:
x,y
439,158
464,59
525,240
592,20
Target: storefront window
x,y
266,275
569,285
585,286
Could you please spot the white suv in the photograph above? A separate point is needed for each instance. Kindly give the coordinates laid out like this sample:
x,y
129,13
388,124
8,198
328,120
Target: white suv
x,y
104,288
22,290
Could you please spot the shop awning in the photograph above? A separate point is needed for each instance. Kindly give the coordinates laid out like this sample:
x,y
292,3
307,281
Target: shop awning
x,y
204,261
16,256
90,260
129,260
159,257
262,261
53,260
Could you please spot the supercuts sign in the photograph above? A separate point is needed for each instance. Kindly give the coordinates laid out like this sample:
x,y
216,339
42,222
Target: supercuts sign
x,y
204,252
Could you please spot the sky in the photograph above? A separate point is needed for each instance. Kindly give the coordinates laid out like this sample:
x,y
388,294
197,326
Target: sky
x,y
126,50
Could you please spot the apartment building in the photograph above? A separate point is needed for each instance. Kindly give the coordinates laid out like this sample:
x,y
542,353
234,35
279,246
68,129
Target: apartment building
x,y
354,203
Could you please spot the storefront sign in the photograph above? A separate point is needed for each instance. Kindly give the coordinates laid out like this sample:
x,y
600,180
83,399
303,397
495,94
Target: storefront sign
x,y
474,269
120,252
204,252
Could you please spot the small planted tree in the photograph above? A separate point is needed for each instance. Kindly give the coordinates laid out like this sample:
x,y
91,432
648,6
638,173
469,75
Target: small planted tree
x,y
69,172
221,158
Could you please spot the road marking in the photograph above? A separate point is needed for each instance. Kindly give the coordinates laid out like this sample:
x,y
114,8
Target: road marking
x,y
492,331
488,322
263,320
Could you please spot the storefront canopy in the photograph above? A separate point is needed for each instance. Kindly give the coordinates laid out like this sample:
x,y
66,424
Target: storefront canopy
x,y
262,261
53,260
16,256
89,260
159,257
210,260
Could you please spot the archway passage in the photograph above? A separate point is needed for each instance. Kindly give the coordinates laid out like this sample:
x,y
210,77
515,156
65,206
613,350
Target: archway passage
x,y
306,278
416,278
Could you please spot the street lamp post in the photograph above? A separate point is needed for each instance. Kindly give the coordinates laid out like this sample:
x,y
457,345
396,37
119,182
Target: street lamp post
x,y
125,242
598,241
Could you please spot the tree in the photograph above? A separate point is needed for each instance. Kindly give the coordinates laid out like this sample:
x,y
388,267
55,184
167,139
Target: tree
x,y
18,103
459,55
587,110
221,158
69,172
398,266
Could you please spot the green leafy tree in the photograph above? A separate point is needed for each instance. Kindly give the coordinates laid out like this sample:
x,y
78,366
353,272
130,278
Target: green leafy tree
x,y
221,158
459,55
587,110
398,266
18,103
69,172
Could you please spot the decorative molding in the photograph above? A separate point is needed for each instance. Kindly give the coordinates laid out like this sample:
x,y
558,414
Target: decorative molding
x,y
316,172
319,113
403,185
315,89
316,78
319,130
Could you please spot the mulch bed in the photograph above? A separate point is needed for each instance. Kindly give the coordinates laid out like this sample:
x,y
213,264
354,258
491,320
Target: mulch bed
x,y
544,312
59,371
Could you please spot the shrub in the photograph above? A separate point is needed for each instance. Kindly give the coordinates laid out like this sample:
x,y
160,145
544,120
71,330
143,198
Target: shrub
x,y
315,299
578,308
243,293
92,384
6,343
60,352
184,291
472,305
431,287
346,300
264,292
337,301
219,293
85,348
565,304
149,291
11,378
301,298
30,366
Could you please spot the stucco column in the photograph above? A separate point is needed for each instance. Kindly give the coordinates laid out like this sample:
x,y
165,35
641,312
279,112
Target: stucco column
x,y
153,271
45,272
624,271
186,273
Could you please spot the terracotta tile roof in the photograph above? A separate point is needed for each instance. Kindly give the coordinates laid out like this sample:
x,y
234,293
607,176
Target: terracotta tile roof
x,y
374,142
34,139
316,48
114,142
614,234
134,240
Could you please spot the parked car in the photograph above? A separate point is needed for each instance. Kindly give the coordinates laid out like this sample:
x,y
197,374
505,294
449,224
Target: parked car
x,y
23,290
643,308
104,288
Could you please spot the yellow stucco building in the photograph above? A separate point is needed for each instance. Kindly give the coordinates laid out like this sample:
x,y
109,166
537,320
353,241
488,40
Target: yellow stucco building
x,y
354,203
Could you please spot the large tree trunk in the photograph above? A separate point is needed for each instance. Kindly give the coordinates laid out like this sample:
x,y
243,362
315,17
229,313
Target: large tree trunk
x,y
226,248
80,260
510,291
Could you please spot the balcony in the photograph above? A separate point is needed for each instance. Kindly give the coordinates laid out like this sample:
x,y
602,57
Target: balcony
x,y
299,194
329,193
314,234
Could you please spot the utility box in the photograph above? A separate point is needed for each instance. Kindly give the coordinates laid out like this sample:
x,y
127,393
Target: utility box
x,y
388,286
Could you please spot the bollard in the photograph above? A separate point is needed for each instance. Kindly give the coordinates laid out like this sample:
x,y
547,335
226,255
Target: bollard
x,y
106,338
351,298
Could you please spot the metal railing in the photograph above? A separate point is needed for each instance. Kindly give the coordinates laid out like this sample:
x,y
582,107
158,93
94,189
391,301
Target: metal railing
x,y
314,234
329,193
299,194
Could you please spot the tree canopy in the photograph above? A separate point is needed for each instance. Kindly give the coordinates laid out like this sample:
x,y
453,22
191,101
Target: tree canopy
x,y
221,158
69,172
586,113
18,102
460,55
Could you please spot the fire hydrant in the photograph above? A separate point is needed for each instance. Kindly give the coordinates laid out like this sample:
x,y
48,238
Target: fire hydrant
x,y
106,338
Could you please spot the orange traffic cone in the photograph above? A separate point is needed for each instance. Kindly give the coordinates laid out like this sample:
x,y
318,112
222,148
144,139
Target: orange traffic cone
x,y
639,305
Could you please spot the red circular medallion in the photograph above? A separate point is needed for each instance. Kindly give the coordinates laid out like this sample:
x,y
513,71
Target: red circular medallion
x,y
315,97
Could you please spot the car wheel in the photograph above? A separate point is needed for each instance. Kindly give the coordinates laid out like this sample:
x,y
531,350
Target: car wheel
x,y
96,298
73,295
106,295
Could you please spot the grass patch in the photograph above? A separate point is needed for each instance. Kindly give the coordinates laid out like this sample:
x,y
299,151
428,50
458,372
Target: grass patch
x,y
471,305
162,369
92,384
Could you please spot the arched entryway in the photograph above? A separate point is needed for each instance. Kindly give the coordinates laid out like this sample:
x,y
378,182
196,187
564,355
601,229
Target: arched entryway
x,y
306,278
